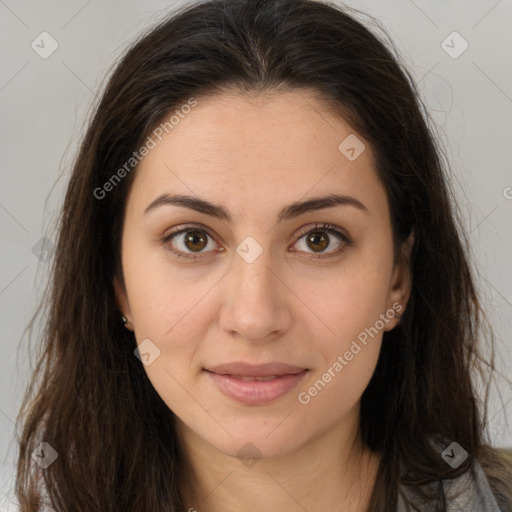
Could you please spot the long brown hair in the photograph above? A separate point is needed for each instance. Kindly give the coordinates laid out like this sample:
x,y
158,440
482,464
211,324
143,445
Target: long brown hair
x,y
90,398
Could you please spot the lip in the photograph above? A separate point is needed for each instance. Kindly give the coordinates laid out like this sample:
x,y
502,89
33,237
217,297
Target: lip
x,y
233,381
255,370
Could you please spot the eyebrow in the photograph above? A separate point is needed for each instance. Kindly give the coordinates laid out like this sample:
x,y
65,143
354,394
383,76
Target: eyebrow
x,y
287,213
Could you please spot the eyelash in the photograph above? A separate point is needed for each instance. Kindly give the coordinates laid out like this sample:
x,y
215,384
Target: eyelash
x,y
328,228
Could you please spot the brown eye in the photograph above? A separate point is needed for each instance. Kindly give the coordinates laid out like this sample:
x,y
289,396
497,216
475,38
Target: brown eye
x,y
195,240
185,242
322,237
318,241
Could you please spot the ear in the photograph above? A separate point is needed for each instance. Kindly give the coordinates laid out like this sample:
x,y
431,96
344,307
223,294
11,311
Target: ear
x,y
401,283
122,302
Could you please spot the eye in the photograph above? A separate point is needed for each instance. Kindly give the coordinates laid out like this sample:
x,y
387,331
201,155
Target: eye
x,y
190,238
319,238
191,242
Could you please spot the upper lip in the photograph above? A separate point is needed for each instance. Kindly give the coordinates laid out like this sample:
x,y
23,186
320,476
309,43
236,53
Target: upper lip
x,y
249,370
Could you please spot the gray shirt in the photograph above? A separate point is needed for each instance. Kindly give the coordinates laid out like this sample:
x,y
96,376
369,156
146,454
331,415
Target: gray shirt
x,y
464,493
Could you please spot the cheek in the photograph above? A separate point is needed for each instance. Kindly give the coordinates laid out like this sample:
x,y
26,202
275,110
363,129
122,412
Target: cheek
x,y
163,296
168,308
169,312
351,352
350,304
352,298
333,392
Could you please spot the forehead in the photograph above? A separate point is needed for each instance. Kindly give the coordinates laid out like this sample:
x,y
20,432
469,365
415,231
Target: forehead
x,y
257,150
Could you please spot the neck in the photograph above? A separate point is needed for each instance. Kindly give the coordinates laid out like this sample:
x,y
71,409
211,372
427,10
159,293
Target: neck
x,y
334,472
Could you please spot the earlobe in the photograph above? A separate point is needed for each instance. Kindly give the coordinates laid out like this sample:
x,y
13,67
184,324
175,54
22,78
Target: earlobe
x,y
122,304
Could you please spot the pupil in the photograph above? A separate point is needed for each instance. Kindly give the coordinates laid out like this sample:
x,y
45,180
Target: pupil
x,y
194,237
318,239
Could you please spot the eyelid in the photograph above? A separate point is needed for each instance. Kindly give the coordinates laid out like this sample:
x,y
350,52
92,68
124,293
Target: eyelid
x,y
176,230
325,226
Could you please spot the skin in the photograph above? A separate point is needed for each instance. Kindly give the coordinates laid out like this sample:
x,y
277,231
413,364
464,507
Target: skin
x,y
254,155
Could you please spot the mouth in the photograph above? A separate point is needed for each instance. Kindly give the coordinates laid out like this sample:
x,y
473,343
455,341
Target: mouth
x,y
255,384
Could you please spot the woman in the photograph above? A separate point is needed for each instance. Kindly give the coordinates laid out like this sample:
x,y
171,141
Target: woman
x,y
261,295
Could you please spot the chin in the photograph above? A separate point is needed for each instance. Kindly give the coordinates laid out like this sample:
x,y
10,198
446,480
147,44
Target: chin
x,y
255,439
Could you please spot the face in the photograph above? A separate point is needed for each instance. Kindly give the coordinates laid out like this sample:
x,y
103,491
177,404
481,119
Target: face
x,y
260,322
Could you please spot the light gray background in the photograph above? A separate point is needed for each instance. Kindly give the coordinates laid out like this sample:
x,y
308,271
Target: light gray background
x,y
44,103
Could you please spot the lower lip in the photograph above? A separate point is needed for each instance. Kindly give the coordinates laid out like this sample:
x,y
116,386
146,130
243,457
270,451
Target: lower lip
x,y
254,392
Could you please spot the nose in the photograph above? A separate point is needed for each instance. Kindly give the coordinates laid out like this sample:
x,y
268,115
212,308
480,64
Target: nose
x,y
256,302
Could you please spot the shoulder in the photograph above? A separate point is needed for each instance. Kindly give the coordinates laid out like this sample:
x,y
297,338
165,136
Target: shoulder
x,y
470,492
